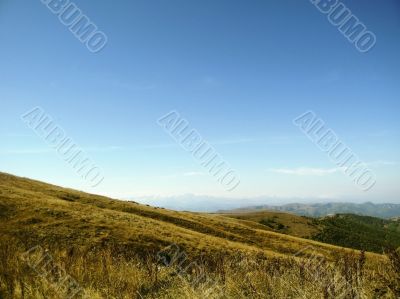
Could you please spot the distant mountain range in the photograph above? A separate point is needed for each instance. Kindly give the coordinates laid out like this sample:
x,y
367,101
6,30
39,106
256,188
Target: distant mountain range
x,y
315,207
386,210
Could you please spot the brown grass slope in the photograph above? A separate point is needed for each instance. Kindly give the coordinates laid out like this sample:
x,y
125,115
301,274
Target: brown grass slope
x,y
110,246
39,212
294,225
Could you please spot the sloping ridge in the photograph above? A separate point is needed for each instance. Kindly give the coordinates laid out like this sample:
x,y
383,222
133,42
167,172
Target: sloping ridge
x,y
38,213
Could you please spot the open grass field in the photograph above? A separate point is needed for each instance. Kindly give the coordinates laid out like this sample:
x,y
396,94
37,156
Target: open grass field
x,y
118,249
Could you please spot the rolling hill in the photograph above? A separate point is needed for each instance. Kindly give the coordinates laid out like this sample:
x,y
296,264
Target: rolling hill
x,y
112,249
39,212
347,230
285,223
361,232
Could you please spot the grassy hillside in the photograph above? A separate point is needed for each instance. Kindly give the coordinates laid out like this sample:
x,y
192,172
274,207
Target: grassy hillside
x,y
347,230
285,223
38,212
112,249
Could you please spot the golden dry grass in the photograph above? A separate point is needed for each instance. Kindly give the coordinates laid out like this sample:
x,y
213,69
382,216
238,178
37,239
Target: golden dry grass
x,y
109,247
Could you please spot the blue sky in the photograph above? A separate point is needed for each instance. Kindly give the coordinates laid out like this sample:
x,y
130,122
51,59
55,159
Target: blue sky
x,y
238,71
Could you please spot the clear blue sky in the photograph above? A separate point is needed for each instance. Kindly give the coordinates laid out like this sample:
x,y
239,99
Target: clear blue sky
x,y
239,71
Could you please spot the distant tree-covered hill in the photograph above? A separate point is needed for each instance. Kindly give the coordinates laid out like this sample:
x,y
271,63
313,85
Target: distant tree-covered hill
x,y
346,230
359,232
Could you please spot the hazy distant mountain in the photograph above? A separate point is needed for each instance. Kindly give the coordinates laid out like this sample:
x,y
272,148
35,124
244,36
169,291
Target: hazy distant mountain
x,y
203,203
311,207
386,210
